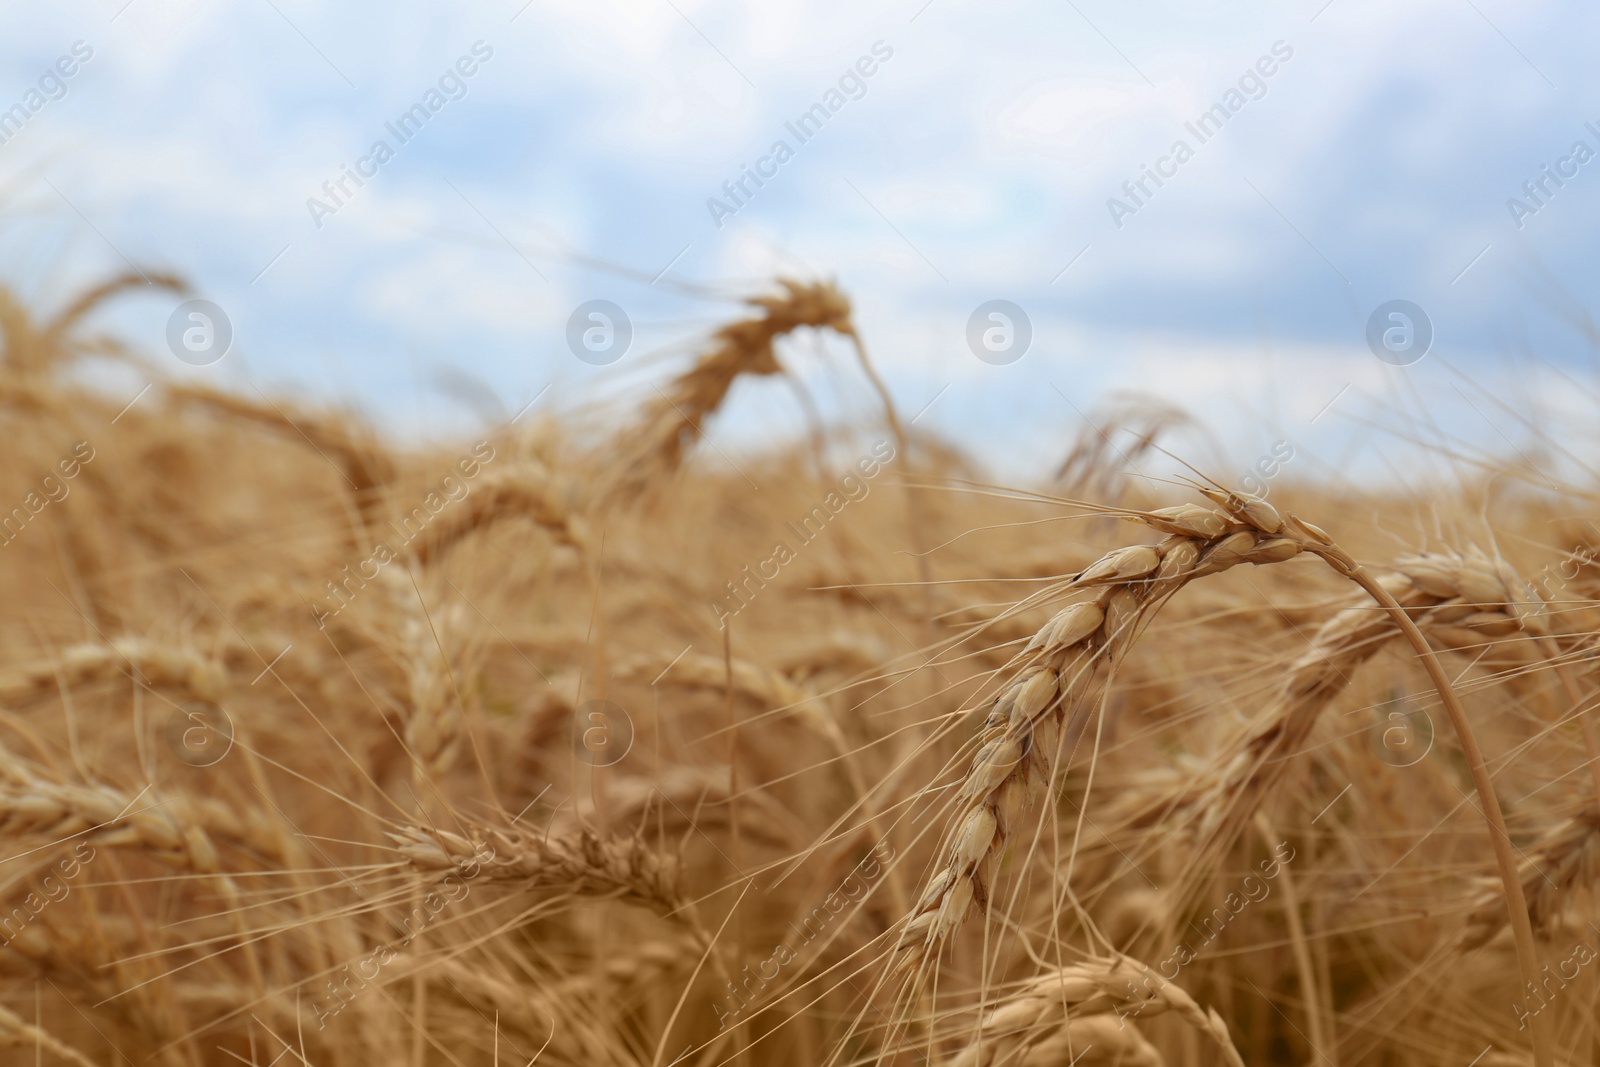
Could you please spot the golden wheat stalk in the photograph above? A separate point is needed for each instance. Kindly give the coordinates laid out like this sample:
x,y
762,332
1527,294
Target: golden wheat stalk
x,y
1316,541
1011,764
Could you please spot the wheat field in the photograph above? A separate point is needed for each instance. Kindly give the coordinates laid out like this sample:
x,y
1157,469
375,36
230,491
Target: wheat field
x,y
569,743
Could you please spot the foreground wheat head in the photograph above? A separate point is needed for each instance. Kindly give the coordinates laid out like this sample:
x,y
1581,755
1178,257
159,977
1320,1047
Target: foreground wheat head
x,y
1022,730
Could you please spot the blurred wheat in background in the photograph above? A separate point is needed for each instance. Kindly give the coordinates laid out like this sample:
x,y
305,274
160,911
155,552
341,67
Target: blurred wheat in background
x,y
565,746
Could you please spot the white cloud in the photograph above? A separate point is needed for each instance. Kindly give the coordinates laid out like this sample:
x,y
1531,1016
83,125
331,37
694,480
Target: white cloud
x,y
991,141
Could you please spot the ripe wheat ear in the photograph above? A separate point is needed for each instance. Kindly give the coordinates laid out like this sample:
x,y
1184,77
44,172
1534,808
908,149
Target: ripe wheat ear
x,y
1059,666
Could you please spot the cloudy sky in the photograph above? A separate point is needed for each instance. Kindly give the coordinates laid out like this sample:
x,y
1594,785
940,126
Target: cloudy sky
x,y
1359,153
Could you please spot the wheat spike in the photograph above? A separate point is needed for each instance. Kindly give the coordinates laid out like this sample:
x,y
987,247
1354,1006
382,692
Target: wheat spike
x,y
34,349
683,797
674,418
1046,1004
1020,734
529,490
699,670
1088,1041
581,865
